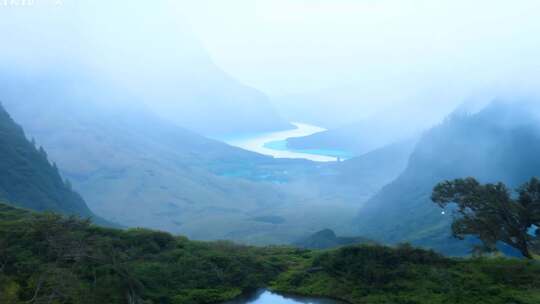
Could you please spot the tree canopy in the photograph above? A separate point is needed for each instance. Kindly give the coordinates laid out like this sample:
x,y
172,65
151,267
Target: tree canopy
x,y
492,212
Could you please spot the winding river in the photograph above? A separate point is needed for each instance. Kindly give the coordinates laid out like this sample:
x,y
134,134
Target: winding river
x,y
275,144
266,297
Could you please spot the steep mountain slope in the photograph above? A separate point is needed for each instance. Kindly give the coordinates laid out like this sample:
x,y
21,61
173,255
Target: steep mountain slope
x,y
28,179
377,167
125,163
111,120
500,143
359,178
137,169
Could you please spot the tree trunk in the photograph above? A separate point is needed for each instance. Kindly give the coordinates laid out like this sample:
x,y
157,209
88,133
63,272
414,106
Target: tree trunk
x,y
524,250
526,253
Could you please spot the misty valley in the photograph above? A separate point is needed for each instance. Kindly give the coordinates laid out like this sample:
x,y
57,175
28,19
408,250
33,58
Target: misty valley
x,y
269,152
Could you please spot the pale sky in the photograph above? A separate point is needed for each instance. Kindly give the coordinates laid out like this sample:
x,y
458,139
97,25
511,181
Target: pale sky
x,y
285,46
401,47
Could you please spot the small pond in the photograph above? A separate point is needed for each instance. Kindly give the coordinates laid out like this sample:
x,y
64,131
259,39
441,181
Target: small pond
x,y
264,296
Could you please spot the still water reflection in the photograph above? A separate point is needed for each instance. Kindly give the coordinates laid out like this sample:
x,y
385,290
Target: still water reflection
x,y
266,297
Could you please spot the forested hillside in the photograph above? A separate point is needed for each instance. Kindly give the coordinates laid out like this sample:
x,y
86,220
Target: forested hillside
x,y
500,143
27,177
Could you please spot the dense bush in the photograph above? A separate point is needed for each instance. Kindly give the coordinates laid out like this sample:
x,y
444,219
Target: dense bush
x,y
376,265
378,274
48,257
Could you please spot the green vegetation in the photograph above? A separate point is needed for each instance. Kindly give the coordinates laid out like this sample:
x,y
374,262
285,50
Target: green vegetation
x,y
47,258
490,213
405,275
27,177
51,258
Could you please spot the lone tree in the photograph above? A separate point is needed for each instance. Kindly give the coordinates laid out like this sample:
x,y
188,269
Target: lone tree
x,y
492,213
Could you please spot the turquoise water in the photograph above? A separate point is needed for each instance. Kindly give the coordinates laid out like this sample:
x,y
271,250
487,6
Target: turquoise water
x,y
281,145
274,144
266,297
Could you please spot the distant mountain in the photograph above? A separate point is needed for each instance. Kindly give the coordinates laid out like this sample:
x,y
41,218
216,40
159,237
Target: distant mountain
x,y
377,166
369,99
159,61
375,123
116,107
326,239
371,133
499,143
138,169
330,108
221,106
361,137
194,93
116,161
359,178
179,80
28,179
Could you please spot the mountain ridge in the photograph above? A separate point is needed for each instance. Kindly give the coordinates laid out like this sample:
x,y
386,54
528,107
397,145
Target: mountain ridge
x,y
489,145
